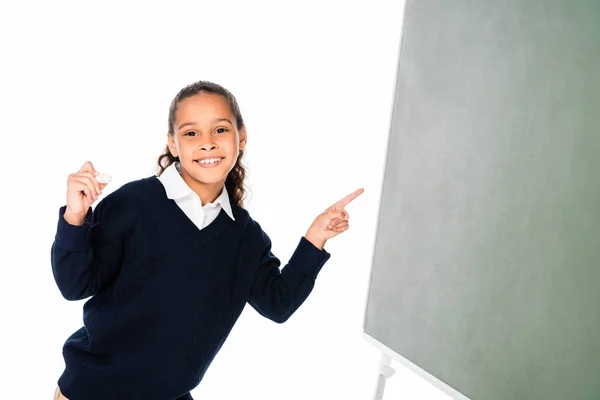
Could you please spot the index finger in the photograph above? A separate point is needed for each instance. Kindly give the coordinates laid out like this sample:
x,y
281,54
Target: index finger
x,y
346,200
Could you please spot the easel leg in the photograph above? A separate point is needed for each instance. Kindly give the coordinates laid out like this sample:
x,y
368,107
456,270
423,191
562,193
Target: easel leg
x,y
385,371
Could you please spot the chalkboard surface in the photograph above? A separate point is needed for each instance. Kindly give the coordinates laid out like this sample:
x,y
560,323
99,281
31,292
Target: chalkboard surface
x,y
486,269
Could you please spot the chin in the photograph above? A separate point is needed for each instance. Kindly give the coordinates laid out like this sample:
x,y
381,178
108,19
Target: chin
x,y
209,180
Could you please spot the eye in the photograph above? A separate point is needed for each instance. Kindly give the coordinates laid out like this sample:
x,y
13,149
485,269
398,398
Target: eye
x,y
189,133
221,130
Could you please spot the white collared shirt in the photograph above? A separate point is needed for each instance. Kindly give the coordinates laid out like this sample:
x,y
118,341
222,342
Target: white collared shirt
x,y
189,201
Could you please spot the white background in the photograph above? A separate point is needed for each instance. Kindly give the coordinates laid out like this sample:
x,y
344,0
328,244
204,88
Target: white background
x,y
93,81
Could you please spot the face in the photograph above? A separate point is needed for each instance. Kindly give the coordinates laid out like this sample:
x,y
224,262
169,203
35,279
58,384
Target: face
x,y
206,140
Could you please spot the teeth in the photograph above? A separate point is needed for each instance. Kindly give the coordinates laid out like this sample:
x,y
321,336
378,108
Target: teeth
x,y
209,161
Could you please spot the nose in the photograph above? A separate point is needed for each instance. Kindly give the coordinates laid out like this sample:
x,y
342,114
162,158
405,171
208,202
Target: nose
x,y
207,146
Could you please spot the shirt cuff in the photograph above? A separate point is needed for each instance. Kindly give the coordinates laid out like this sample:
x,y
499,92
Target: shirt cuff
x,y
308,258
71,237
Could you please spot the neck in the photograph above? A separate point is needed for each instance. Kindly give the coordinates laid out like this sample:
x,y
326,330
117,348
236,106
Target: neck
x,y
208,192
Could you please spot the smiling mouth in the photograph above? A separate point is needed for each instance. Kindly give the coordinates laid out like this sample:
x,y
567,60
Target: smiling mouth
x,y
209,162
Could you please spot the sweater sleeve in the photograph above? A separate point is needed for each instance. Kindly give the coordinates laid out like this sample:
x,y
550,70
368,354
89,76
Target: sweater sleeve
x,y
85,258
277,294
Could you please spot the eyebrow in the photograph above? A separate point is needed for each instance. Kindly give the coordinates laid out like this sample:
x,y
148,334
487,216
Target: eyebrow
x,y
194,123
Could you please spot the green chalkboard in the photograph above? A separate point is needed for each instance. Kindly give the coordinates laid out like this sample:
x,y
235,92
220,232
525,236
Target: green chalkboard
x,y
486,267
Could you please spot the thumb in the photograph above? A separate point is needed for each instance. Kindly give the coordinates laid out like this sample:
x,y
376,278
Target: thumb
x,y
341,214
331,215
88,167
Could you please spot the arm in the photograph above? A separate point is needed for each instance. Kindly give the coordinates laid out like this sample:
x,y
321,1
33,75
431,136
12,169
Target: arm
x,y
277,294
84,258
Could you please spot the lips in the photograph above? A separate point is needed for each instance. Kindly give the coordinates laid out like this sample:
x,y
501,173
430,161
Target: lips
x,y
209,164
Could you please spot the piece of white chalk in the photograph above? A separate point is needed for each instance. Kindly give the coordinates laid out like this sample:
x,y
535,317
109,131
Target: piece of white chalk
x,y
104,178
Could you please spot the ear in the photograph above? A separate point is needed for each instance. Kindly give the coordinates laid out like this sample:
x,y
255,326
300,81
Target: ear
x,y
243,138
172,145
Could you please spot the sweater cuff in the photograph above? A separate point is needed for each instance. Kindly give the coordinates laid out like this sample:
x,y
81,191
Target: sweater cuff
x,y
71,237
309,259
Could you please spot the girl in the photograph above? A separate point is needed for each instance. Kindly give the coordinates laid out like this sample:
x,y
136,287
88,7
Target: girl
x,y
171,260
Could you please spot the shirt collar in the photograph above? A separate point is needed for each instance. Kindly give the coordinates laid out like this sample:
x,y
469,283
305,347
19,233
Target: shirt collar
x,y
177,189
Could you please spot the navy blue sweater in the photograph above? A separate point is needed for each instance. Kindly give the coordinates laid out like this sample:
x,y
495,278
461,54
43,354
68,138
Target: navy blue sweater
x,y
165,295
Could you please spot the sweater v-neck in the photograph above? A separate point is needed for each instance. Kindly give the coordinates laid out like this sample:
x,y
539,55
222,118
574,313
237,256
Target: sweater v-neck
x,y
185,225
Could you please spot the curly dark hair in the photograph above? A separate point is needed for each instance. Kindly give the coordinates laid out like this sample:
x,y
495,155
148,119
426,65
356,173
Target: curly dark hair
x,y
235,179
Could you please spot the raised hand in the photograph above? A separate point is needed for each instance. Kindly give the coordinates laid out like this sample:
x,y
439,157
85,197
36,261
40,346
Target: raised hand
x,y
331,222
82,191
